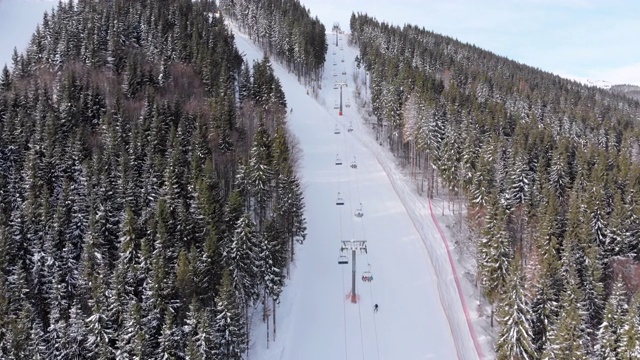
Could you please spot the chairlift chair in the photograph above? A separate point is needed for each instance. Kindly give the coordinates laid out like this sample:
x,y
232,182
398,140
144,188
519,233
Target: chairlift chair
x,y
347,103
342,60
359,213
336,106
335,86
367,276
354,165
339,200
343,260
335,73
350,129
338,161
341,48
336,130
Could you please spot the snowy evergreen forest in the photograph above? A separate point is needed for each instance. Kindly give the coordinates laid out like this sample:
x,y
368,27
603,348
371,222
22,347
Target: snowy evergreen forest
x,y
285,29
148,188
548,171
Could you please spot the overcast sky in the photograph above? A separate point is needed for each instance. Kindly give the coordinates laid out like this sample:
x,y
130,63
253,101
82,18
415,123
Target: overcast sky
x,y
594,39
18,20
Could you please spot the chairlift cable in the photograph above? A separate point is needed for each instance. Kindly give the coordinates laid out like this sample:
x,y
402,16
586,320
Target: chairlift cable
x,y
344,318
344,306
375,324
361,332
348,148
353,231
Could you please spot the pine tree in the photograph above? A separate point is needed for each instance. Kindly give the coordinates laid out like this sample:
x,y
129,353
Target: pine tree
x,y
170,341
4,298
515,339
609,333
290,210
76,333
261,173
98,327
208,269
275,259
244,260
131,327
127,265
558,173
592,285
56,336
244,83
496,256
198,333
545,302
569,339
184,277
5,79
598,224
629,347
230,337
233,212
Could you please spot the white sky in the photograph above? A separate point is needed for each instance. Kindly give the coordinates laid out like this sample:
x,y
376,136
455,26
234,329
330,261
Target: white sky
x,y
18,19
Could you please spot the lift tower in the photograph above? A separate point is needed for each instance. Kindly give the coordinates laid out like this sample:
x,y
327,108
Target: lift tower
x,y
353,246
336,29
340,85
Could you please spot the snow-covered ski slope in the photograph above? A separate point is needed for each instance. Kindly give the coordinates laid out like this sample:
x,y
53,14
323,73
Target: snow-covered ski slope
x,y
420,315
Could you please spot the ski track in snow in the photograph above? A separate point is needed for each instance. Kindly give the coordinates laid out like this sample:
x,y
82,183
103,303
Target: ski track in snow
x,y
421,312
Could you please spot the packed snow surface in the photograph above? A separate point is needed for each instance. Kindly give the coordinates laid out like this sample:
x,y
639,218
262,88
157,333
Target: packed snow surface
x,y
316,318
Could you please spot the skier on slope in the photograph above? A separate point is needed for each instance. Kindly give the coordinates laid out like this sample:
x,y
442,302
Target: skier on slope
x,y
375,308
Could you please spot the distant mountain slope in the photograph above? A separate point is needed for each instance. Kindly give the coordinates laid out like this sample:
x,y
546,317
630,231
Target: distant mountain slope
x,y
632,91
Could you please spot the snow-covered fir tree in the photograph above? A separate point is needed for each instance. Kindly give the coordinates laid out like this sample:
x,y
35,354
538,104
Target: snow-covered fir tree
x,y
515,338
244,260
609,335
629,347
229,325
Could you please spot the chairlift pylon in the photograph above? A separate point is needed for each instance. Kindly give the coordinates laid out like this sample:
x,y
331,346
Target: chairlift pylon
x,y
339,200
